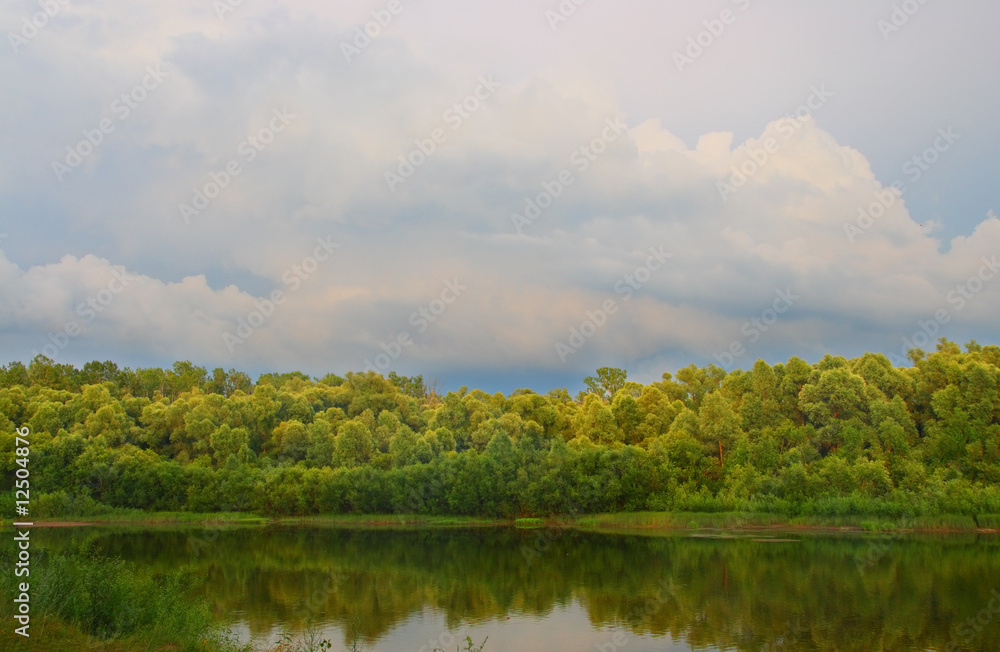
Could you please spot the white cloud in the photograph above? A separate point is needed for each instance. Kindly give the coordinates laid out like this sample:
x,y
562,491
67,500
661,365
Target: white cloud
x,y
324,176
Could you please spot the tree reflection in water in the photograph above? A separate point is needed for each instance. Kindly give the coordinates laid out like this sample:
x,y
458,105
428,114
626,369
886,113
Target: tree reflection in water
x,y
740,593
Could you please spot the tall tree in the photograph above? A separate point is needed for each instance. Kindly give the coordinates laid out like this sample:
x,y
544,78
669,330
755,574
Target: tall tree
x,y
606,383
718,424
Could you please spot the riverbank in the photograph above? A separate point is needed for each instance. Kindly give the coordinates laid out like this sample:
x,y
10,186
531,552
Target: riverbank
x,y
983,523
136,517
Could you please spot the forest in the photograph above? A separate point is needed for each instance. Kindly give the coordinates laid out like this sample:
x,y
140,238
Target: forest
x,y
841,436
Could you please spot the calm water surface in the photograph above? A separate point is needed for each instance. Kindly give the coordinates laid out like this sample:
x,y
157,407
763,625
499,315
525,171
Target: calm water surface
x,y
548,589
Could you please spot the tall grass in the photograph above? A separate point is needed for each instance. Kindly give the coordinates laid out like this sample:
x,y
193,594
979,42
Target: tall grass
x,y
954,522
843,520
109,599
692,520
529,522
86,598
988,521
392,519
141,517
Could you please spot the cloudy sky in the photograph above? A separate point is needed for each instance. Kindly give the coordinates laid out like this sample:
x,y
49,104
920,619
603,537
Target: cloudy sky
x,y
495,194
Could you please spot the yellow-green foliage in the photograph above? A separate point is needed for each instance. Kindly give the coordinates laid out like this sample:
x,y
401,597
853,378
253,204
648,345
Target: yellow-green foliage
x,y
837,438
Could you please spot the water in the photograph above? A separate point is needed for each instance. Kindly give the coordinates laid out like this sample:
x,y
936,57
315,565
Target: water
x,y
392,590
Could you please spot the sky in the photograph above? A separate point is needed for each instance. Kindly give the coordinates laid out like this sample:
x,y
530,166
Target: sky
x,y
496,194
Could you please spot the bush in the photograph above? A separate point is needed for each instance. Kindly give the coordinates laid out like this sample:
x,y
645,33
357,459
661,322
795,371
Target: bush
x,y
112,600
61,504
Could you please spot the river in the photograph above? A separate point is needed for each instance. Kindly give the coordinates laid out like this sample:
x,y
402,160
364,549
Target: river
x,y
535,590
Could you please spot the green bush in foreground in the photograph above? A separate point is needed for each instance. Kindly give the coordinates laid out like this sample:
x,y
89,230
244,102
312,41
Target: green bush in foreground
x,y
82,595
108,598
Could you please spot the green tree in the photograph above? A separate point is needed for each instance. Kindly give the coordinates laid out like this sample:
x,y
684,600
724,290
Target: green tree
x,y
185,376
628,416
718,425
291,440
403,447
410,386
597,422
45,372
226,441
354,443
95,373
699,382
14,374
606,383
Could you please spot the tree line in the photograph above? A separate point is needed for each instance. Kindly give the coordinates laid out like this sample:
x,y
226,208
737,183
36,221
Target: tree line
x,y
840,436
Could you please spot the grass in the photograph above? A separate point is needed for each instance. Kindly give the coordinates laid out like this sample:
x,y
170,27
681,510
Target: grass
x,y
469,646
82,601
49,633
950,522
138,516
153,518
943,522
529,522
692,520
390,520
665,520
839,521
